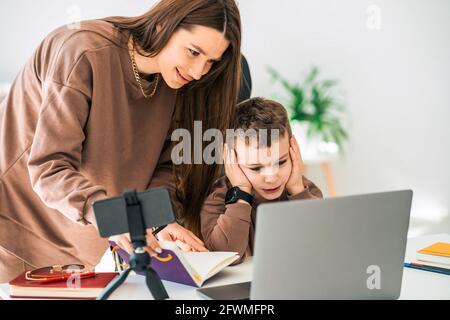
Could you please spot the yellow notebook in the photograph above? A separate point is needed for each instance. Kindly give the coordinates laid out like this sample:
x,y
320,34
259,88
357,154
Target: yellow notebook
x,y
438,248
438,252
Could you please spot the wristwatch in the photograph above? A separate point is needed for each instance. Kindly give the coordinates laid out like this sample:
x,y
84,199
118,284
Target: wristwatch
x,y
234,194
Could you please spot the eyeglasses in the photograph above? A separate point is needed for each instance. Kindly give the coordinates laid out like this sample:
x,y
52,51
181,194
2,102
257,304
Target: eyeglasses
x,y
59,273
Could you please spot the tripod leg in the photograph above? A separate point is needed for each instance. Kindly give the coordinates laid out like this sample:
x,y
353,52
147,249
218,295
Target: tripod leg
x,y
114,285
155,284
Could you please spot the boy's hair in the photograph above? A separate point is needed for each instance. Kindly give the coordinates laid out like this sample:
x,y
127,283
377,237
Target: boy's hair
x,y
260,114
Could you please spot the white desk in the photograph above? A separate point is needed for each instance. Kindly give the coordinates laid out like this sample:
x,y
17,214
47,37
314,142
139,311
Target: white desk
x,y
416,284
135,288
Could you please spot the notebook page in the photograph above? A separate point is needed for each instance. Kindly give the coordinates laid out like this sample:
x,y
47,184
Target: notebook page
x,y
204,262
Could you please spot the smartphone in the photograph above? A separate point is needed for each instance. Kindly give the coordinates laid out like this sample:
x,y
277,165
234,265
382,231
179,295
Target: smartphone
x,y
235,291
111,213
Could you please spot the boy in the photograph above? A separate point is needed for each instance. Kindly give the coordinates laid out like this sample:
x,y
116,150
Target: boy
x,y
229,213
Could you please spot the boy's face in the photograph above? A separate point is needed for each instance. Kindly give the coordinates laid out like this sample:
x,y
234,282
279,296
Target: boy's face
x,y
268,169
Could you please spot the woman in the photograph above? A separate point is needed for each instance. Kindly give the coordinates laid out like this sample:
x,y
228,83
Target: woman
x,y
91,114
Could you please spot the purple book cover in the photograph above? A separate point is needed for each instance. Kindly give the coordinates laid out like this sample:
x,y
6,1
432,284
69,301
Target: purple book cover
x,y
167,265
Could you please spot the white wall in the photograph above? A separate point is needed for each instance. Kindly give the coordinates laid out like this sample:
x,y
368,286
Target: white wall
x,y
395,79
24,23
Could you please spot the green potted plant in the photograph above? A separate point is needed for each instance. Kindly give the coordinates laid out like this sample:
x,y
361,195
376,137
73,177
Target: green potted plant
x,y
314,106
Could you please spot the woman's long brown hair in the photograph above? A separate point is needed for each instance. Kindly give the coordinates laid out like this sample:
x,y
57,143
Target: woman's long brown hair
x,y
211,99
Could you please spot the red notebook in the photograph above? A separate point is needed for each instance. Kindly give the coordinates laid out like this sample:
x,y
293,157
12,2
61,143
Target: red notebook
x,y
87,288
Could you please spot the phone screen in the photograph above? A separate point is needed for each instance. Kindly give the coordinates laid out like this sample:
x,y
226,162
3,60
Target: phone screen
x,y
155,205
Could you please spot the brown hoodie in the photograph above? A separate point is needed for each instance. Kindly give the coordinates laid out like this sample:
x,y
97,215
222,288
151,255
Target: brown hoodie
x,y
75,128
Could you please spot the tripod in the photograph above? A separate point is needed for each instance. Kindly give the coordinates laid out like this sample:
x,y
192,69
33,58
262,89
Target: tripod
x,y
140,259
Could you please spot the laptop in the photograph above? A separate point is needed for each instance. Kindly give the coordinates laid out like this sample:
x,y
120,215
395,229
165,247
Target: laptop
x,y
349,247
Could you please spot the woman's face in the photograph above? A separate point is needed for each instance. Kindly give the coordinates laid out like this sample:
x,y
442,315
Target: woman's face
x,y
190,54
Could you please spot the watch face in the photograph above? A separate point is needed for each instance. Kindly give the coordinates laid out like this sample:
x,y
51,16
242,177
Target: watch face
x,y
231,196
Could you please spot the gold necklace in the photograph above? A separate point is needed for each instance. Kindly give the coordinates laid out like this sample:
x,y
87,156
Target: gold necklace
x,y
138,77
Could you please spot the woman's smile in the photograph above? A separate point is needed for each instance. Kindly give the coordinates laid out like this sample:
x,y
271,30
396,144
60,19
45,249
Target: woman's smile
x,y
181,79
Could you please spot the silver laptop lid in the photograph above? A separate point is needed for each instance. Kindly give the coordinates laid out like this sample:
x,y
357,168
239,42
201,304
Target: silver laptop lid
x,y
336,248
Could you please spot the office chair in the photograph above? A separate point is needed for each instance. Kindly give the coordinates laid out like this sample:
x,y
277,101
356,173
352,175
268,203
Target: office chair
x,y
246,81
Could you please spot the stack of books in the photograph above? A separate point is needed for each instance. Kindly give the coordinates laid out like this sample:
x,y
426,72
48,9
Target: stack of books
x,y
88,288
434,258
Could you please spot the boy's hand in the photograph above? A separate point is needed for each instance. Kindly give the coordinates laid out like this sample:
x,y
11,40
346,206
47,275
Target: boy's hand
x,y
234,173
295,182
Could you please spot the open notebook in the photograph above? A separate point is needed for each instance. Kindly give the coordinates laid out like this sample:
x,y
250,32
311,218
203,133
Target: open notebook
x,y
190,268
